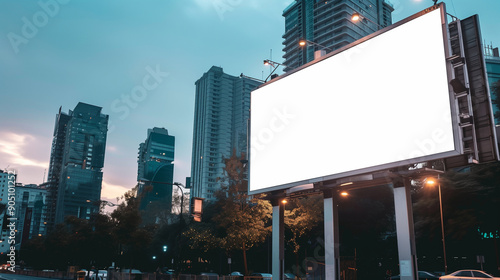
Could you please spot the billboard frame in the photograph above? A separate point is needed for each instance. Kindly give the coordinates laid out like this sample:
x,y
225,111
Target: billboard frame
x,y
457,135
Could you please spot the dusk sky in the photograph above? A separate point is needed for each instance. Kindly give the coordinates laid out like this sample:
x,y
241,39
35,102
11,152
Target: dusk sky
x,y
58,53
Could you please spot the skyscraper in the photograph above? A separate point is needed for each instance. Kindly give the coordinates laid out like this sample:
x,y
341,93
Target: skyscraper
x,y
76,161
220,127
55,165
329,24
155,172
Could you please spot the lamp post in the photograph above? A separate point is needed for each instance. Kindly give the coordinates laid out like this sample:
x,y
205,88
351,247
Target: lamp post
x,y
304,42
432,182
318,53
179,185
357,17
274,64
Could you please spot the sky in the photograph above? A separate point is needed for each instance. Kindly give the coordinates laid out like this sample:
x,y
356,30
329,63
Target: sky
x,y
138,60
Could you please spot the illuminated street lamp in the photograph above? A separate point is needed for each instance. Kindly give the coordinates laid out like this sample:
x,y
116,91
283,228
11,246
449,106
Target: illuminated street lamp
x,y
358,17
433,182
274,64
304,43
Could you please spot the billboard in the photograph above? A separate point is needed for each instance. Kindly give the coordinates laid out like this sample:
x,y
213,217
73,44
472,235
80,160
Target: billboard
x,y
381,102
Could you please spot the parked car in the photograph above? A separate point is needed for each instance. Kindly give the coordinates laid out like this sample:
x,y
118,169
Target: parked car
x,y
235,275
131,271
422,275
289,276
99,275
263,276
468,274
208,276
168,271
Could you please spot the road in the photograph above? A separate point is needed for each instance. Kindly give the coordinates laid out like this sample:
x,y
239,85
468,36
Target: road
x,y
7,276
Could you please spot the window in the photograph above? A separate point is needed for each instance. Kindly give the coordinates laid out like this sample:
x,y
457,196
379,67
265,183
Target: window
x,y
480,274
465,273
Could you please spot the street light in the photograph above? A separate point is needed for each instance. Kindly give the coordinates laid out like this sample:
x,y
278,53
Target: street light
x,y
358,17
179,185
304,42
433,182
274,64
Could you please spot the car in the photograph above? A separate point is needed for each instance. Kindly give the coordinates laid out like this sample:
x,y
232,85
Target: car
x,y
422,275
263,276
289,276
100,274
235,275
131,271
208,276
469,274
168,271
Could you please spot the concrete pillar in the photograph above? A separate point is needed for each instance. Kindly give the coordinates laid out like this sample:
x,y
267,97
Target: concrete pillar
x,y
278,239
405,231
331,220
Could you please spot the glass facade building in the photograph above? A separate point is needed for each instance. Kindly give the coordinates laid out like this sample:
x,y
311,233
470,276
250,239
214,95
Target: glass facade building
x,y
329,24
155,173
31,212
221,115
76,162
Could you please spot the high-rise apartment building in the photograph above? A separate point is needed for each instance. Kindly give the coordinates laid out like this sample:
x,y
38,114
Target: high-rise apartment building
x,y
7,186
155,172
220,127
329,25
31,212
76,162
55,164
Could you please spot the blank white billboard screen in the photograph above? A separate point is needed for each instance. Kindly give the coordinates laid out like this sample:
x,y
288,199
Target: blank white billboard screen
x,y
383,102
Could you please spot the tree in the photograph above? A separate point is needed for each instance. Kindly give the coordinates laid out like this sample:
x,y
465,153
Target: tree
x,y
471,204
306,214
241,221
132,238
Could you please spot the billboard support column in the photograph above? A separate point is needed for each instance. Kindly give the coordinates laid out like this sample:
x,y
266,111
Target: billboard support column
x,y
404,228
331,220
278,238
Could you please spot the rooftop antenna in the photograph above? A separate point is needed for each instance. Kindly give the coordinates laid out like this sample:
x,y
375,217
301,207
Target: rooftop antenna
x,y
44,171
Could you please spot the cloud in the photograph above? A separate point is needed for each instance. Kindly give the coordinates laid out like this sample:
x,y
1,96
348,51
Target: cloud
x,y
112,149
111,191
14,148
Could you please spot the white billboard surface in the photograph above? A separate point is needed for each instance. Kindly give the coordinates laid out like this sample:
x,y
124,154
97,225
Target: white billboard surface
x,y
383,103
